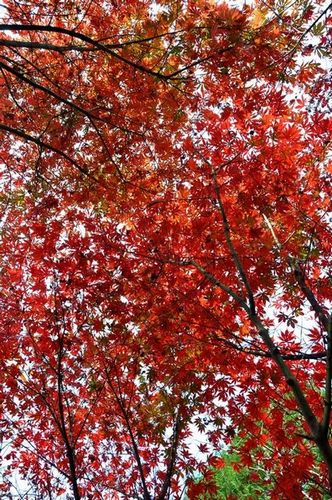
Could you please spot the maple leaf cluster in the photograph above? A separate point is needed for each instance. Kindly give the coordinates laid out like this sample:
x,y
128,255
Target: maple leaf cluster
x,y
165,246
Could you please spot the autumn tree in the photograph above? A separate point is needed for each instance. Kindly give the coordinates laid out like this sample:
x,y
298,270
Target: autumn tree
x,y
165,243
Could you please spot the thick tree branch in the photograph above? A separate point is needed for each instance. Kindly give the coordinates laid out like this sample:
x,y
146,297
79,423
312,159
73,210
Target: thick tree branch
x,y
288,375
82,48
79,36
105,48
82,37
274,352
328,381
316,428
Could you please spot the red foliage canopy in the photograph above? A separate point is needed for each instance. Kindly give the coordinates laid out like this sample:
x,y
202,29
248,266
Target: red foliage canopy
x,y
165,243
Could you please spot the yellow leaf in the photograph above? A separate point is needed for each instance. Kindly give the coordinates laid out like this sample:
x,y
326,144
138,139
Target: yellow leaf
x,y
258,18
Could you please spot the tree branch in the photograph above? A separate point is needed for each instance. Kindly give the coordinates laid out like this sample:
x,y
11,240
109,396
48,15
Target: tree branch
x,y
234,254
170,467
131,434
218,283
264,354
82,48
299,276
305,33
227,233
70,452
105,48
46,90
19,133
328,381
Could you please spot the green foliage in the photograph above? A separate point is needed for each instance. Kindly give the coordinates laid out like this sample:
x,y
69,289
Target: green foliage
x,y
236,481
232,480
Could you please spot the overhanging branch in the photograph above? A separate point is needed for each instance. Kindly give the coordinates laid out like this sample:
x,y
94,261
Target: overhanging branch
x,y
105,48
35,140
